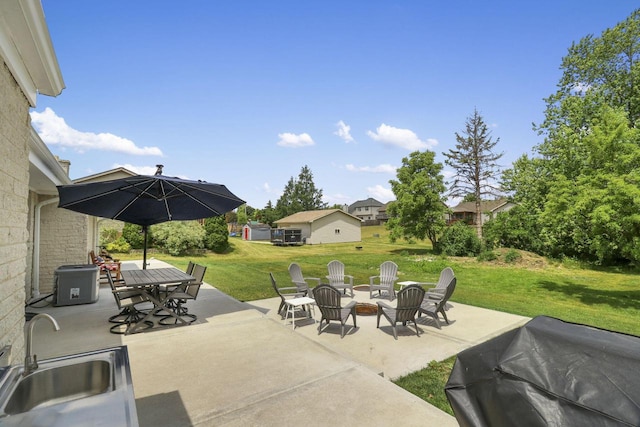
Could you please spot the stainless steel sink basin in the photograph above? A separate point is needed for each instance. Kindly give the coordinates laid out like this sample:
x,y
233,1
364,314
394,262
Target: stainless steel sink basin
x,y
60,384
91,388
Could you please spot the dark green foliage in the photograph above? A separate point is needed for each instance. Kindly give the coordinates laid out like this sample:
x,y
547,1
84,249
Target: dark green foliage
x,y
517,228
512,256
487,256
300,195
216,234
133,235
459,240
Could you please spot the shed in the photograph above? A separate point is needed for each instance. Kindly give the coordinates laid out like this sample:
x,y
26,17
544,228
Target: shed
x,y
256,232
324,226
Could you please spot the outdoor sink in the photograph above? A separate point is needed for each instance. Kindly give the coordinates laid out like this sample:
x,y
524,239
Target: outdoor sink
x,y
92,388
60,384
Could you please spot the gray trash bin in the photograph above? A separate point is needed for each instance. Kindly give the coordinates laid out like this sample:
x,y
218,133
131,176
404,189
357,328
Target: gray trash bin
x,y
76,284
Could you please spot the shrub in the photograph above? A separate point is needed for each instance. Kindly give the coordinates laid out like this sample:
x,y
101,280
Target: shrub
x,y
108,235
178,237
512,256
459,240
133,234
120,245
217,234
487,256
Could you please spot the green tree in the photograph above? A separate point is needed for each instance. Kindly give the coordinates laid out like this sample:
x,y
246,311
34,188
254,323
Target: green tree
x,y
268,215
474,163
217,234
300,195
419,209
133,235
178,237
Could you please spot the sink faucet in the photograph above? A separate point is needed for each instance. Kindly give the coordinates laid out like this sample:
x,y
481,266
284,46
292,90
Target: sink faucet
x,y
31,361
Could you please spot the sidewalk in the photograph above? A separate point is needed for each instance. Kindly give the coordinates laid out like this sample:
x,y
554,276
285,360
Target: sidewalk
x,y
240,365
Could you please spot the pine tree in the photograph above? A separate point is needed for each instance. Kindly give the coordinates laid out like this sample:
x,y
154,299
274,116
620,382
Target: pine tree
x,y
474,162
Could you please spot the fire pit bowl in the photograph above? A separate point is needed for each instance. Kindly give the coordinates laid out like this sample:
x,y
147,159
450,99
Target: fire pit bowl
x,y
366,309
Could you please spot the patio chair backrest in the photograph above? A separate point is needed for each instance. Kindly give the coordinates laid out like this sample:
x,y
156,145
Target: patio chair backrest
x,y
194,286
388,272
190,267
328,300
296,273
336,272
446,276
409,301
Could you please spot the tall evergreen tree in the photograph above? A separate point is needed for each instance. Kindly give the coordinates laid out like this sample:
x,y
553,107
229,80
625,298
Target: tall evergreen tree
x,y
474,162
300,195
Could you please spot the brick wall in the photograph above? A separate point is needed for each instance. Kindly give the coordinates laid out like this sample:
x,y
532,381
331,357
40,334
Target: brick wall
x,y
63,241
14,193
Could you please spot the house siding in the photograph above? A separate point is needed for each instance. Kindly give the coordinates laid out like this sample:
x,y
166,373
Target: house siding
x,y
14,212
324,230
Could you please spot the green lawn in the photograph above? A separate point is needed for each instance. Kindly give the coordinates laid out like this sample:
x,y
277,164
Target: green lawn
x,y
606,298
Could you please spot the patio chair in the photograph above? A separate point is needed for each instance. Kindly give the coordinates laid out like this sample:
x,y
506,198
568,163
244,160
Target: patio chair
x,y
385,281
437,291
338,279
328,301
301,282
166,289
181,294
285,293
127,299
104,265
409,300
431,307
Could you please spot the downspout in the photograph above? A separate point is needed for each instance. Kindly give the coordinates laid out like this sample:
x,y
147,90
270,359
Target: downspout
x,y
35,271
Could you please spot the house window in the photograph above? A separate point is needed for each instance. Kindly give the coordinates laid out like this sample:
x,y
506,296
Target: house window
x,y
359,209
336,231
366,208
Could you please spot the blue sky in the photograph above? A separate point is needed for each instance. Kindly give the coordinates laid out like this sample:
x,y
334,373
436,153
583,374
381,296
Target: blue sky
x,y
245,93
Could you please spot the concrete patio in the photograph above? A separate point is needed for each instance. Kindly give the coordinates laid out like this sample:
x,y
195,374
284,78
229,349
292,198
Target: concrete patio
x,y
239,364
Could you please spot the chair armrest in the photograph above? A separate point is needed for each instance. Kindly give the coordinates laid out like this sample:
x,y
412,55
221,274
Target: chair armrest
x,y
383,305
350,277
351,304
372,279
317,279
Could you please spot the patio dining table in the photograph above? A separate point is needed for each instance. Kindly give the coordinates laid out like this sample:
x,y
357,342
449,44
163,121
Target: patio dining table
x,y
148,282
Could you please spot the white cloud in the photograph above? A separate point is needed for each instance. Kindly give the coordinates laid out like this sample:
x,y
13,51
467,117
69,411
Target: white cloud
x,y
403,138
381,193
294,141
344,132
383,168
54,131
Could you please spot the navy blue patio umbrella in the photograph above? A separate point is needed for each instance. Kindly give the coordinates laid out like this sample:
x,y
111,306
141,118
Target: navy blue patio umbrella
x,y
146,200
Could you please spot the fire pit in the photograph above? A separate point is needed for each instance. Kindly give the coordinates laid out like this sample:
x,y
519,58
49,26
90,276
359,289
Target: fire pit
x,y
366,309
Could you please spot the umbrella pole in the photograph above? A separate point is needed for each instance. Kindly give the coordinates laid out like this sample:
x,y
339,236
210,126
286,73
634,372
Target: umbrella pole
x,y
144,251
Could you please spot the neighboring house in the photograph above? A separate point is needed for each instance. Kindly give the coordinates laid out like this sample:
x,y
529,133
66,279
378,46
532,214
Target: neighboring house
x,y
466,211
382,216
324,226
36,236
253,232
366,210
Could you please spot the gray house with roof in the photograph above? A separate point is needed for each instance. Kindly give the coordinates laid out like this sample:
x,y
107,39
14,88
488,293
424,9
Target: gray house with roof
x,y
366,210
